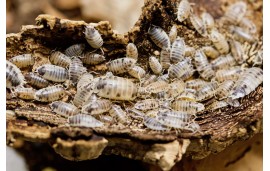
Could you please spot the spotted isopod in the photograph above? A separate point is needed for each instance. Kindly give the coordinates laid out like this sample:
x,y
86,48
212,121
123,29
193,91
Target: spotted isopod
x,y
60,59
198,24
208,20
91,58
64,109
159,36
223,62
85,79
202,65
183,11
116,88
93,37
189,107
241,35
155,65
210,52
173,33
217,105
36,80
156,87
84,120
154,124
228,74
49,94
195,84
14,76
76,70
248,25
149,79
132,51
117,112
182,70
174,119
177,50
224,89
207,73
165,57
175,88
23,61
189,51
236,12
25,93
207,91
137,72
105,118
187,95
82,95
97,106
52,73
146,104
75,50
219,41
121,65
164,77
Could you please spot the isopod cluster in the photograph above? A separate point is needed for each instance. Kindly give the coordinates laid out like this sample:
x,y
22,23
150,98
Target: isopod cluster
x,y
166,93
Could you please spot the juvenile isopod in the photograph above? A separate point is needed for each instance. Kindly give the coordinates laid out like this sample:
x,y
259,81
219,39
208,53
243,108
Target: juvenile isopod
x,y
36,80
23,61
195,84
159,36
84,121
25,93
64,109
75,50
82,94
146,104
174,119
60,59
183,11
237,51
207,73
189,51
248,25
210,52
189,107
236,12
165,60
223,62
207,91
198,24
93,37
116,88
187,95
149,79
49,94
85,79
219,41
228,74
105,119
202,65
164,77
137,72
156,87
154,124
241,35
121,65
155,65
175,88
217,105
52,73
173,33
98,106
132,51
208,21
182,70
91,58
224,89
178,50
248,81
14,76
117,112
76,70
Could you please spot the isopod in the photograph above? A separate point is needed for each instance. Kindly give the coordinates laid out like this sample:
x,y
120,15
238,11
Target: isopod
x,y
198,24
217,105
219,41
60,59
183,11
207,91
132,51
91,58
25,93
121,65
236,12
49,94
117,112
137,72
84,121
105,118
207,73
23,61
248,25
175,88
174,119
64,109
93,37
173,33
116,88
75,50
223,62
76,70
187,95
165,57
210,52
98,106
241,35
177,50
182,70
146,104
228,74
164,77
52,73
14,76
85,79
195,84
189,51
36,80
208,21
82,95
154,124
155,65
224,89
189,107
149,79
156,87
159,36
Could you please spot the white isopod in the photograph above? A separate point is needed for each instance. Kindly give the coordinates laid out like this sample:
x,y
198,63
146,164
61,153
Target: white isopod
x,y
121,65
154,124
189,107
236,12
198,24
76,70
36,80
146,104
165,60
23,61
159,36
155,65
52,73
132,51
98,106
25,93
82,95
64,109
248,25
93,37
183,11
195,84
14,76
149,79
224,89
137,72
173,33
241,34
85,79
175,88
210,52
219,41
178,50
60,59
208,21
91,58
187,94
84,120
189,51
223,62
228,74
202,65
117,112
182,70
75,50
49,94
217,105
207,91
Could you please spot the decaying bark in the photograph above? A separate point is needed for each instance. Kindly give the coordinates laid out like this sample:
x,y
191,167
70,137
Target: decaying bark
x,y
35,122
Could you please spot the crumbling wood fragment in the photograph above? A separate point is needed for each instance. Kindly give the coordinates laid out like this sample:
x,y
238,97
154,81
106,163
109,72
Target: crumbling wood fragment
x,y
34,121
